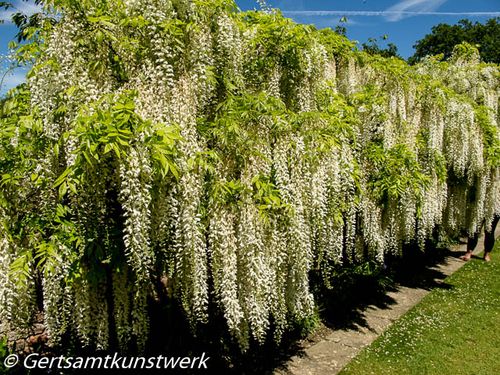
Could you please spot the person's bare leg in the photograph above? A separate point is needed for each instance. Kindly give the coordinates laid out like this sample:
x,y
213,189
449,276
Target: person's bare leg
x,y
489,239
466,257
471,245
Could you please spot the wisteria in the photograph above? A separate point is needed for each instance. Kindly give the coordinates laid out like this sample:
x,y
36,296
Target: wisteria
x,y
188,151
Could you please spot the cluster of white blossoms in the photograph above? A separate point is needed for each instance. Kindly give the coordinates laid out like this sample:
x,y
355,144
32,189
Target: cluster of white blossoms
x,y
18,300
296,156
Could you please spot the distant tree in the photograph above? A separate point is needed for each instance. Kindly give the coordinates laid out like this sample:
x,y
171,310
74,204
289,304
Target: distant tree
x,y
372,47
444,37
4,5
341,28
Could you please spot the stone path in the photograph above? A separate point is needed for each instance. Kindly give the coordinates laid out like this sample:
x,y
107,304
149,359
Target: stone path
x,y
336,348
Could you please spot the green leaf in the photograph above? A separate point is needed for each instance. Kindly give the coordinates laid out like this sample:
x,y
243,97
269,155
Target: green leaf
x,y
63,188
174,170
62,177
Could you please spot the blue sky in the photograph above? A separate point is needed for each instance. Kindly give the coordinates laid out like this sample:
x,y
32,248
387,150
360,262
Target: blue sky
x,y
403,21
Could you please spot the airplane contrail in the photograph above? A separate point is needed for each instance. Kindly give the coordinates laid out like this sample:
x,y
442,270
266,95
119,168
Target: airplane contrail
x,y
312,13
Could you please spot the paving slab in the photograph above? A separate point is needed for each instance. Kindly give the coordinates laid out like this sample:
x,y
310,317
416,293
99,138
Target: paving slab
x,y
338,347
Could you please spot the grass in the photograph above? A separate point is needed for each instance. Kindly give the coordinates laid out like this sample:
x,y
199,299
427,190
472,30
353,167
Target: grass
x,y
453,330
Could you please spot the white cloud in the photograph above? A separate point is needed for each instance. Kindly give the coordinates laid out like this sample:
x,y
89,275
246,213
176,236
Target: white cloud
x,y
28,8
400,10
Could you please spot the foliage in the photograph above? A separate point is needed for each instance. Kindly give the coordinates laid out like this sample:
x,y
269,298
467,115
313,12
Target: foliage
x,y
444,37
3,353
395,172
184,152
490,134
372,47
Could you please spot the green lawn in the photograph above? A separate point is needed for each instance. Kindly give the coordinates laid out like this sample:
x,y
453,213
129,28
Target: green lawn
x,y
451,331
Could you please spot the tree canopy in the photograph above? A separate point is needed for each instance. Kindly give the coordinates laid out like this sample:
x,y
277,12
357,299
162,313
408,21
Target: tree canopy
x,y
372,47
444,37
